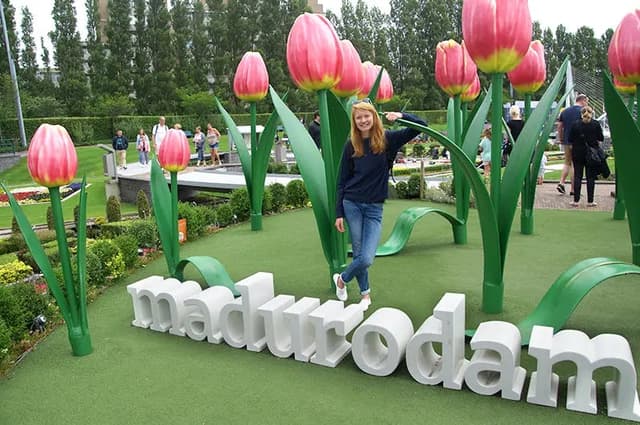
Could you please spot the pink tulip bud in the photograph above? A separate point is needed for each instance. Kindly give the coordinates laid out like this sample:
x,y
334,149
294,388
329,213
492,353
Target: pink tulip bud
x,y
624,49
497,33
251,81
455,71
385,89
314,55
52,159
174,151
472,92
352,72
529,76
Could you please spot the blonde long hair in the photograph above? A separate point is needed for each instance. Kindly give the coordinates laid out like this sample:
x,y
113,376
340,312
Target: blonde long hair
x,y
376,135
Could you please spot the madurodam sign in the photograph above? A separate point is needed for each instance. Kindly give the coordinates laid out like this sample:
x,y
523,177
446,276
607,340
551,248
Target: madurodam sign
x,y
316,333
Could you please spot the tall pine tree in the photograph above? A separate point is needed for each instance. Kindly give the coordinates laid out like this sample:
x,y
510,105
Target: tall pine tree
x,y
141,59
120,47
28,60
162,86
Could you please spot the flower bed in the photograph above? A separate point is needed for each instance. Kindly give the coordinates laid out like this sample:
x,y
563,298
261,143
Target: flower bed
x,y
37,194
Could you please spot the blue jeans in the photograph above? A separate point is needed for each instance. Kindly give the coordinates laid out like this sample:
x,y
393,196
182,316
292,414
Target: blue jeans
x,y
143,157
365,225
200,152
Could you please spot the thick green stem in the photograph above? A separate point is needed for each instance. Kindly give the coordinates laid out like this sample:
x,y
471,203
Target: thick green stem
x,y
174,219
80,341
619,209
529,185
461,186
257,190
496,136
63,252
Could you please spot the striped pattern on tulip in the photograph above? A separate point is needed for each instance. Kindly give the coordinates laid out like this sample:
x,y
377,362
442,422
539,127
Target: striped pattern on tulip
x,y
174,151
455,71
352,72
251,81
472,92
625,88
52,158
624,49
497,33
314,56
530,75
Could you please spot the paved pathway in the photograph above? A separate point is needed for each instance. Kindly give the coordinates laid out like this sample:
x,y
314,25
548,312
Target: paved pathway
x,y
547,196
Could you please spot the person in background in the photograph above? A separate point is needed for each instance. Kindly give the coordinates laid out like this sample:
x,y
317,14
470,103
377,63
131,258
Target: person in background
x,y
485,149
213,139
120,145
198,141
515,126
362,188
568,117
543,164
314,129
143,147
158,134
584,133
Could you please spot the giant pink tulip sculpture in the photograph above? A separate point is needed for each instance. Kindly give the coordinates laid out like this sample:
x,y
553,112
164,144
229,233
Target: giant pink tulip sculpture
x,y
527,78
251,84
52,162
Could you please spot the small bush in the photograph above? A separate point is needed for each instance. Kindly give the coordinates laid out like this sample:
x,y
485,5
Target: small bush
x,y
402,190
448,188
296,193
419,150
278,168
76,217
142,201
294,169
413,186
224,214
113,209
145,233
50,223
13,243
129,248
198,218
12,313
15,229
240,203
5,340
392,192
110,257
95,274
14,271
267,201
278,197
45,236
81,133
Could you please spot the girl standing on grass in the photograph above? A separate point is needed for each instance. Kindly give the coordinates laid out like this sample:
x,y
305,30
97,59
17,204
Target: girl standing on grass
x,y
362,188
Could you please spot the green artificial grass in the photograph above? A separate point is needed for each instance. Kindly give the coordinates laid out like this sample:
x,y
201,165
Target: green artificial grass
x,y
138,376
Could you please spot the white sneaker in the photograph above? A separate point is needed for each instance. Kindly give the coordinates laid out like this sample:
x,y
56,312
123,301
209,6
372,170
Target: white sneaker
x,y
341,293
365,303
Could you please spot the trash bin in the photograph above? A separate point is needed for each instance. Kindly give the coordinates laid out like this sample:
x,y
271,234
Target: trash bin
x,y
182,230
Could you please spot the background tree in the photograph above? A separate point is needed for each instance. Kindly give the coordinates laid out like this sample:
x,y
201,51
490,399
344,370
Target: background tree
x,y
141,59
199,49
181,40
218,59
96,62
73,91
28,60
162,87
119,47
10,19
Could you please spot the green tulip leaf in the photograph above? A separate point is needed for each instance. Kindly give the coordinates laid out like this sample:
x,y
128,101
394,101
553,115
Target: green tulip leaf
x,y
520,158
38,254
82,255
161,199
477,109
312,170
473,132
451,119
373,93
340,121
236,136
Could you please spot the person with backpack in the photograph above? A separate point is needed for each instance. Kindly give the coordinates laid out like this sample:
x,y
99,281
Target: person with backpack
x,y
362,188
120,145
158,133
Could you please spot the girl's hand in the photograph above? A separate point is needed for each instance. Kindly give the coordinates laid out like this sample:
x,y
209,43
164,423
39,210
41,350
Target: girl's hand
x,y
340,224
392,116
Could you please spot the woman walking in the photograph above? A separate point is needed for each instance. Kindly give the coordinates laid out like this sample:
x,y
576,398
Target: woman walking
x,y
585,133
362,188
143,147
213,138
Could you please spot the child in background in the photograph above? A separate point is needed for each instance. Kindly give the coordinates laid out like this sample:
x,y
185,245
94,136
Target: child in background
x,y
543,164
485,148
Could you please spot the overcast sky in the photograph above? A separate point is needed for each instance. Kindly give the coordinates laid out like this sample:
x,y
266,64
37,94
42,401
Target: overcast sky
x,y
597,14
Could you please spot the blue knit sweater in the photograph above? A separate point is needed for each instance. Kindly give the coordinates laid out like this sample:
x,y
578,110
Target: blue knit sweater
x,y
365,179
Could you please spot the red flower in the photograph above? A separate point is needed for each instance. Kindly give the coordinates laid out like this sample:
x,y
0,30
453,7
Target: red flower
x,y
251,81
52,159
352,72
472,92
385,88
174,151
529,76
625,88
497,33
455,71
314,55
624,49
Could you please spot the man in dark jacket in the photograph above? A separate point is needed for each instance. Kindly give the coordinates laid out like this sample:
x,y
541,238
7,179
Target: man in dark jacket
x,y
120,145
314,129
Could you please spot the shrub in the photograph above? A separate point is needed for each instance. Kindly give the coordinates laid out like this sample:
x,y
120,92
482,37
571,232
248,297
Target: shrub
x,y
419,150
278,197
45,236
76,216
278,168
296,193
224,214
13,243
81,133
51,252
294,169
413,186
448,188
110,257
15,229
198,218
392,191
145,233
267,201
5,340
113,209
129,248
402,190
12,313
143,204
31,302
50,223
95,274
240,203
14,271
